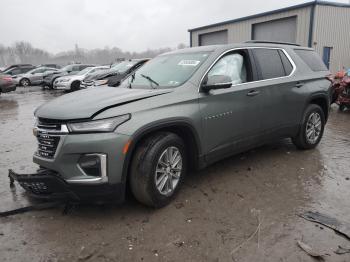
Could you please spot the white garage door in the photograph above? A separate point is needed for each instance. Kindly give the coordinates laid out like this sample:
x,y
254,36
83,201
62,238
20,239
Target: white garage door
x,y
282,30
214,38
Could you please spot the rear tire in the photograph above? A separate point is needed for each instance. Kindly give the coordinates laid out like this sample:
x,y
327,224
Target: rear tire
x,y
24,82
311,129
158,168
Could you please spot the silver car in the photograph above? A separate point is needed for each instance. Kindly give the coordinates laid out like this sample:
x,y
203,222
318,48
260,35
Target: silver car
x,y
32,77
72,82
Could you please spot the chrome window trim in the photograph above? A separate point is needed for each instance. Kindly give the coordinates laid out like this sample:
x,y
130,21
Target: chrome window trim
x,y
246,48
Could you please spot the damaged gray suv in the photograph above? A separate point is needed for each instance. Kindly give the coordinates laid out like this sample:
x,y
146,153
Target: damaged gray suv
x,y
182,110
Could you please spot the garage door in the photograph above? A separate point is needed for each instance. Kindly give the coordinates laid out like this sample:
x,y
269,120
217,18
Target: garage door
x,y
214,38
283,30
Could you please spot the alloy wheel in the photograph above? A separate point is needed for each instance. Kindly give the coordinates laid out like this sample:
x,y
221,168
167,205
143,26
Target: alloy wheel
x,y
25,82
313,128
168,170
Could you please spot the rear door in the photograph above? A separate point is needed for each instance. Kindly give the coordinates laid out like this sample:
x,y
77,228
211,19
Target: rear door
x,y
282,95
37,77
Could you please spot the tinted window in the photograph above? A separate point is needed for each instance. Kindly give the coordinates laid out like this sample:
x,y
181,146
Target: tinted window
x,y
76,68
312,59
269,63
288,68
15,72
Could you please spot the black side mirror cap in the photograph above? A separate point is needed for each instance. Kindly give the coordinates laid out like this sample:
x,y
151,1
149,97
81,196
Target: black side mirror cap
x,y
216,82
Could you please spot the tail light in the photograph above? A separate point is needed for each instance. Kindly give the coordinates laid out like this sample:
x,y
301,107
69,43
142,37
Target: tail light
x,y
6,78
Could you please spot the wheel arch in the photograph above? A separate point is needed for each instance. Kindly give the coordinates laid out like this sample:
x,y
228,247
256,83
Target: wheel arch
x,y
76,81
322,101
181,127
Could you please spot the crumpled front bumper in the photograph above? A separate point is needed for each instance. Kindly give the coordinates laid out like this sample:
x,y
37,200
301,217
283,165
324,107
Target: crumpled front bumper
x,y
47,184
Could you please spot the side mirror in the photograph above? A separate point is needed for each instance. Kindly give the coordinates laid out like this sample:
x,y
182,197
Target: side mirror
x,y
216,82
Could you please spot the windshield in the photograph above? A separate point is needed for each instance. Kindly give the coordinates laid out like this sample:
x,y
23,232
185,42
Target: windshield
x,y
123,66
167,70
35,70
84,71
66,68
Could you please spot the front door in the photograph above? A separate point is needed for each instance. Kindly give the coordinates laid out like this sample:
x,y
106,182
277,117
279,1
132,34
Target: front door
x,y
230,117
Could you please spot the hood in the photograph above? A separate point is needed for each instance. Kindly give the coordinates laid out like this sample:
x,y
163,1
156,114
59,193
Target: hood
x,y
89,102
98,75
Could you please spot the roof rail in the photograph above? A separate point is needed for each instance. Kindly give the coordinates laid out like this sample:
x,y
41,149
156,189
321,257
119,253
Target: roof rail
x,y
269,42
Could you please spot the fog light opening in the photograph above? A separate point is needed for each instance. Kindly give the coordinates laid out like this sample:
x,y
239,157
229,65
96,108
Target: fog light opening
x,y
93,165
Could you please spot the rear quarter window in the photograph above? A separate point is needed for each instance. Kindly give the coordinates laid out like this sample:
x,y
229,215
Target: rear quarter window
x,y
312,59
288,67
269,63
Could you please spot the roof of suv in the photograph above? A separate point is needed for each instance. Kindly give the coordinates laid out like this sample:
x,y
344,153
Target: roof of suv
x,y
212,48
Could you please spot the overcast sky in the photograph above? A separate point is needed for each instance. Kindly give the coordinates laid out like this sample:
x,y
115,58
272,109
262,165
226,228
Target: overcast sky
x,y
132,25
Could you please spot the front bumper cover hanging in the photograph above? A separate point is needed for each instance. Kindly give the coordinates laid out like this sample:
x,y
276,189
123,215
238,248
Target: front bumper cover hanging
x,y
45,184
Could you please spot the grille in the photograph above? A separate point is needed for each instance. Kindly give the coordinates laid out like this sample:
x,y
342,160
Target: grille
x,y
48,138
38,188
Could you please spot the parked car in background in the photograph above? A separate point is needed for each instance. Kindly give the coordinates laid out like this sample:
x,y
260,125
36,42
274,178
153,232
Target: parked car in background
x,y
182,110
72,82
18,69
114,75
50,77
32,77
6,83
50,65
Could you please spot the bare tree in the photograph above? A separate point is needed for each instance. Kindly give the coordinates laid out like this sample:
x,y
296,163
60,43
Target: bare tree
x,y
24,52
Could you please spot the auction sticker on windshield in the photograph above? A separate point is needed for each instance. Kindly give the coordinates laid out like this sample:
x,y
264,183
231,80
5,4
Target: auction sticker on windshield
x,y
189,62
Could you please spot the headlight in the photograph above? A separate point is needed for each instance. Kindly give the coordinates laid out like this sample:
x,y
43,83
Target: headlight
x,y
100,82
103,125
64,80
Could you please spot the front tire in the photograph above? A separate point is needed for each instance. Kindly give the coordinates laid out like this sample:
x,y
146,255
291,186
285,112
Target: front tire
x,y
158,168
311,129
75,86
24,82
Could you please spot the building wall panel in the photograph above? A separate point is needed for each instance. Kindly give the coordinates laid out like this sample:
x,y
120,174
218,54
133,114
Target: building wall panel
x,y
332,29
242,31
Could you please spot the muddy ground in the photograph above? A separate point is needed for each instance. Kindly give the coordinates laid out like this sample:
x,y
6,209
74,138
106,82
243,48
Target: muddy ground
x,y
213,217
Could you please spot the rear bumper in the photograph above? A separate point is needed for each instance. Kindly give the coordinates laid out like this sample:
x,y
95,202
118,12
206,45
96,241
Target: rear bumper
x,y
8,87
46,82
47,184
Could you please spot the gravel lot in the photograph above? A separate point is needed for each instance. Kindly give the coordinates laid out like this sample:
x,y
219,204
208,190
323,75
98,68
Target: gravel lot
x,y
213,217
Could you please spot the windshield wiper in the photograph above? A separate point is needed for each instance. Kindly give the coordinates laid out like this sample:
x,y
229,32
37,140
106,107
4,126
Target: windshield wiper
x,y
132,79
150,79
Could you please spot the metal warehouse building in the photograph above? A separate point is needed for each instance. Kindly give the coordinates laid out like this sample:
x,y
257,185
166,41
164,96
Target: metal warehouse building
x,y
325,26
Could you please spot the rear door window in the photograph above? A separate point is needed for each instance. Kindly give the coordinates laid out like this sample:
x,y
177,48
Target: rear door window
x,y
269,63
76,68
312,59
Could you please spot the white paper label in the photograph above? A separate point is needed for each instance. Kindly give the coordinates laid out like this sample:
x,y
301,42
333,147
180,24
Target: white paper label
x,y
189,62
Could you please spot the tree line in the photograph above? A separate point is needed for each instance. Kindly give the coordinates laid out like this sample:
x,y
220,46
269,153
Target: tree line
x,y
24,52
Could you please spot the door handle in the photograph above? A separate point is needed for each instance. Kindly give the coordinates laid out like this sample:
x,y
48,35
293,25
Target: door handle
x,y
253,93
299,84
